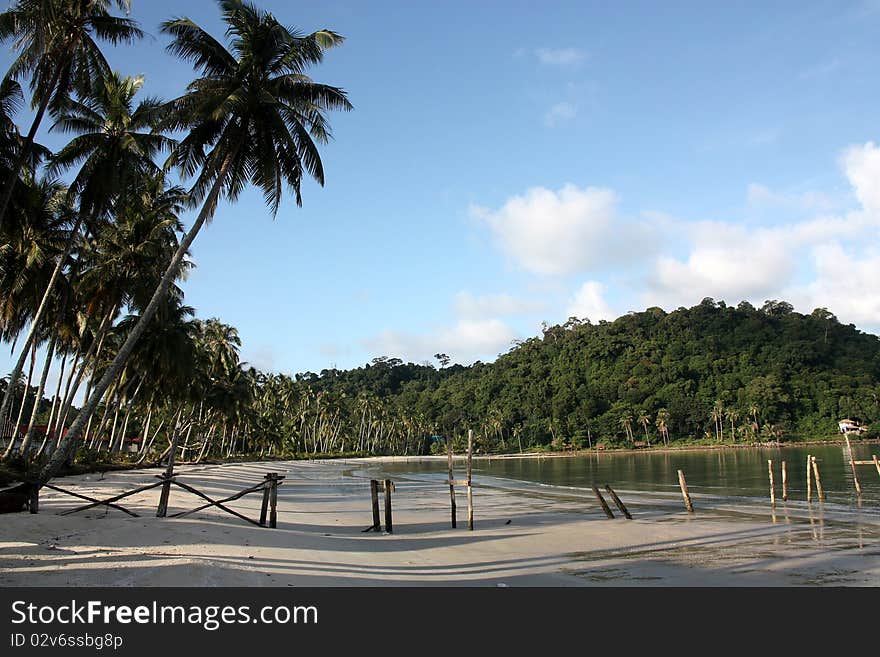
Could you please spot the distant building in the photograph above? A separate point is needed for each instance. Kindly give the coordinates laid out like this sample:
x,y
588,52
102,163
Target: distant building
x,y
851,426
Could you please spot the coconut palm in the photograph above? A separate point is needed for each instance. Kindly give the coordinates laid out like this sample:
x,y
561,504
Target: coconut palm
x,y
55,41
645,420
253,118
662,423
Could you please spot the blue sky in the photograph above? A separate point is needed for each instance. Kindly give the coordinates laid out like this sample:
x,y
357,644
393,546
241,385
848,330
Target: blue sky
x,y
509,163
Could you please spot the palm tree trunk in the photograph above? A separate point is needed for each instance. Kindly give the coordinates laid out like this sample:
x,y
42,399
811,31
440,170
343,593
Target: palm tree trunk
x,y
55,402
38,316
27,387
57,461
50,352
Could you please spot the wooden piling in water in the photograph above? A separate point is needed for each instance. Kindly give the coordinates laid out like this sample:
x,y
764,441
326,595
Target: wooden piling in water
x,y
684,492
451,478
388,488
772,486
602,501
819,490
852,466
809,479
617,501
877,464
470,489
784,483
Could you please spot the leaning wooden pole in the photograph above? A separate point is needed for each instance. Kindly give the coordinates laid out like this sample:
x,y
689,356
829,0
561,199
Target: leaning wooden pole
x,y
617,501
684,492
852,465
772,485
451,478
470,488
819,490
602,501
877,464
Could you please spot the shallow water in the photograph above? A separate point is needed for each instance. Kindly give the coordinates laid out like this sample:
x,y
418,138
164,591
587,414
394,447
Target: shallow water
x,y
725,475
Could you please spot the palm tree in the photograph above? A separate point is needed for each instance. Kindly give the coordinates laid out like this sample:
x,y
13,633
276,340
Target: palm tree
x,y
732,417
717,416
252,118
662,423
116,146
56,49
645,420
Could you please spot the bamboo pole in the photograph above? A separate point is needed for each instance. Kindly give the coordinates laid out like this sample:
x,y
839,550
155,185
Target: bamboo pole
x,y
852,465
684,492
617,501
819,490
602,502
809,480
451,485
784,483
470,489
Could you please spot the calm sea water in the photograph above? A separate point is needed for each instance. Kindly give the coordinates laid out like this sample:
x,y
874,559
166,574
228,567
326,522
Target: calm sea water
x,y
721,473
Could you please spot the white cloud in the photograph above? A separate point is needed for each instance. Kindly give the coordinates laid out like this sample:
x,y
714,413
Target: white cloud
x,y
762,197
465,341
589,303
553,233
862,167
494,305
558,113
560,56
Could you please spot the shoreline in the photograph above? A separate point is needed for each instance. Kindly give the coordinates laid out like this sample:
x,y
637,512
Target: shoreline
x,y
521,538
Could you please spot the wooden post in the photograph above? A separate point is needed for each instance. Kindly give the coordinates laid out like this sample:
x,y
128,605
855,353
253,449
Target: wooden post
x,y
684,492
772,486
34,502
602,502
617,501
784,483
162,509
877,464
451,485
819,490
853,466
273,501
470,489
374,498
388,524
264,508
809,479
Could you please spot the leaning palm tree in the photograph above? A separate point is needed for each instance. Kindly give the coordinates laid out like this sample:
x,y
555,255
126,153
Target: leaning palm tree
x,y
253,118
56,49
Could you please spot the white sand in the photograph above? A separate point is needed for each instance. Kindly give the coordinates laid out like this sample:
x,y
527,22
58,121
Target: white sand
x,y
522,538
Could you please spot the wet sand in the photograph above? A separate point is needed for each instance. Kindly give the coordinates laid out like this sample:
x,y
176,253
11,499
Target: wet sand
x,y
524,536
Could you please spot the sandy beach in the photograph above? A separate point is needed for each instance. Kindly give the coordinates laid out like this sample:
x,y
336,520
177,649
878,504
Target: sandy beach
x,y
523,537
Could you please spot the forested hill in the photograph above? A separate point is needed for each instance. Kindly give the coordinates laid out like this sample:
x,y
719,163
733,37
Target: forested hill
x,y
758,373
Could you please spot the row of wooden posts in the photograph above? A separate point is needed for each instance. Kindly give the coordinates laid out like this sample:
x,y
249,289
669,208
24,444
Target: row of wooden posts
x,y
812,475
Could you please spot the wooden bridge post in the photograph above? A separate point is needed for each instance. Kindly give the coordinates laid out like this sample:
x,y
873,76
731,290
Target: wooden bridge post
x,y
784,483
809,479
772,486
852,465
273,500
819,490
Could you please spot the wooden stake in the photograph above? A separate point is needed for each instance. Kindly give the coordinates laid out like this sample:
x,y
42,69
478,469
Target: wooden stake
x,y
374,498
273,502
772,486
819,490
470,490
877,464
852,465
264,508
602,502
451,485
809,480
784,483
684,492
388,488
617,501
